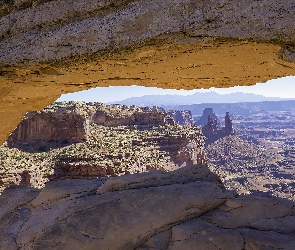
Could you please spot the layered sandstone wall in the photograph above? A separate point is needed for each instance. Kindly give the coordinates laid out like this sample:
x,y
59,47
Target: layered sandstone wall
x,y
137,118
44,126
152,152
37,30
31,219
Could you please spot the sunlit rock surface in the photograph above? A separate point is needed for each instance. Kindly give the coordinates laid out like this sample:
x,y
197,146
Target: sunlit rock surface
x,y
51,126
182,44
69,121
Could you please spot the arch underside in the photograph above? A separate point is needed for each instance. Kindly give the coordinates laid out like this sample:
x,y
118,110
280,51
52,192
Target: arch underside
x,y
183,45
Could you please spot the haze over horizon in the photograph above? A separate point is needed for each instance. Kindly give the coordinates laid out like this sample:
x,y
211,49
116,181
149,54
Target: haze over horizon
x,y
272,88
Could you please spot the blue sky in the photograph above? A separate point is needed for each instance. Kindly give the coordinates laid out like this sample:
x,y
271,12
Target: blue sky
x,y
282,87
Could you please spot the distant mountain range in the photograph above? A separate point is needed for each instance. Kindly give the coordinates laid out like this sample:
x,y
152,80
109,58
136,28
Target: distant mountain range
x,y
241,108
197,98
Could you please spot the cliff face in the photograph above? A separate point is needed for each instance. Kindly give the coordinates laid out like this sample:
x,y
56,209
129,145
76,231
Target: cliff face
x,y
71,122
44,126
50,30
93,213
122,115
164,149
136,118
182,117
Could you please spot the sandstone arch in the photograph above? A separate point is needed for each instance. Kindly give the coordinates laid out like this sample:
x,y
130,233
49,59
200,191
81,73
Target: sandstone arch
x,y
188,44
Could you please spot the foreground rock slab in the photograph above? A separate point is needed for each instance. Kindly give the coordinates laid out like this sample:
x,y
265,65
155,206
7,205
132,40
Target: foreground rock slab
x,y
184,209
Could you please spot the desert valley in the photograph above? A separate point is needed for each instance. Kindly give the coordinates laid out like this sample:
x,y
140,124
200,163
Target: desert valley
x,y
107,146
78,140
174,173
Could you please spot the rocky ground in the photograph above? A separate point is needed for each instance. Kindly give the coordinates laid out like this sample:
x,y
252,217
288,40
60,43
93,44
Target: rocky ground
x,y
228,204
184,209
260,158
251,168
247,166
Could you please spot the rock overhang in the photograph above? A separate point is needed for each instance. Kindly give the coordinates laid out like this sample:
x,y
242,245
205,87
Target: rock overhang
x,y
185,45
204,62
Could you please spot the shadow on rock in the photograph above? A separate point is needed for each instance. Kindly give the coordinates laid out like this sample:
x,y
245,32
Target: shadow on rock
x,y
185,209
39,146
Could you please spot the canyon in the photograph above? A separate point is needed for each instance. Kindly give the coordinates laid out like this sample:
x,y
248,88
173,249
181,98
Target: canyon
x,y
153,163
52,47
71,121
88,140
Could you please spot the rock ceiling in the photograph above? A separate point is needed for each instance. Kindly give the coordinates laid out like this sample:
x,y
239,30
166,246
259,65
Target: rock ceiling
x,y
180,48
179,66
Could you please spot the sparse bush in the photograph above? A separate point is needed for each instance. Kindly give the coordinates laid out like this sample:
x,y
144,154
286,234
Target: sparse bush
x,y
42,149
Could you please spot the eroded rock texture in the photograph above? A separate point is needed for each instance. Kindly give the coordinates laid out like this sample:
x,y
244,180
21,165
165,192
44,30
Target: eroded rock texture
x,y
191,40
204,117
184,209
182,117
211,131
71,214
50,30
287,53
44,126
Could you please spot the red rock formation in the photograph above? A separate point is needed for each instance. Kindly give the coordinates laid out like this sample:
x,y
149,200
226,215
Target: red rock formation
x,y
70,122
59,125
228,129
76,167
180,151
182,117
144,116
211,128
157,146
204,118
